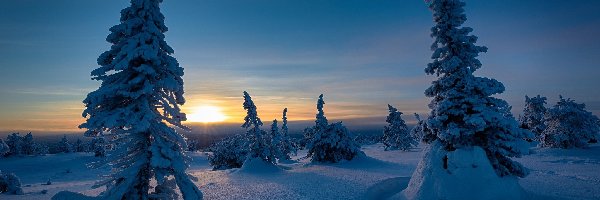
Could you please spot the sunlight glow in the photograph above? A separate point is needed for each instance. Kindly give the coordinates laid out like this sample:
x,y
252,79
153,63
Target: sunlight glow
x,y
206,114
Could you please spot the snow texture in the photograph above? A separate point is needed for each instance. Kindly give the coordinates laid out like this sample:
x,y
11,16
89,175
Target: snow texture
x,y
141,91
329,142
463,112
555,174
396,135
569,125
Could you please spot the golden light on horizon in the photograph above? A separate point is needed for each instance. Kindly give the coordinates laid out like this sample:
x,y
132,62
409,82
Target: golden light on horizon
x,y
206,114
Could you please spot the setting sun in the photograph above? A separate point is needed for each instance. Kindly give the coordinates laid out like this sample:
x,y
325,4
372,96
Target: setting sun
x,y
206,114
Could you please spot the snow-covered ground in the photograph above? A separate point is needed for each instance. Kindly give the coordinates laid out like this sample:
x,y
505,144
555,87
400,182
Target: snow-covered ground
x,y
555,174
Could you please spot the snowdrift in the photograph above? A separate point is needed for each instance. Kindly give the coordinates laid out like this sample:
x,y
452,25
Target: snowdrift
x,y
469,175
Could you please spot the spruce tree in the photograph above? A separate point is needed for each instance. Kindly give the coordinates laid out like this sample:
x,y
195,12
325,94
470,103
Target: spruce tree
x,y
4,149
329,142
138,100
286,144
396,134
275,140
533,115
15,144
568,125
463,111
230,152
64,146
257,139
29,146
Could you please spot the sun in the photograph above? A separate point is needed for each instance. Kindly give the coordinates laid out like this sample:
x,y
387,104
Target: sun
x,y
206,114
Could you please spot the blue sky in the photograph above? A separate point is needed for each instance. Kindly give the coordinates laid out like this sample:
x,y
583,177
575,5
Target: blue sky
x,y
361,54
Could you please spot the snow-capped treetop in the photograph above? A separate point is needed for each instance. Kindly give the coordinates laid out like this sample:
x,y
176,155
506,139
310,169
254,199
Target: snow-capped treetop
x,y
284,127
463,113
533,114
321,119
395,116
251,118
274,127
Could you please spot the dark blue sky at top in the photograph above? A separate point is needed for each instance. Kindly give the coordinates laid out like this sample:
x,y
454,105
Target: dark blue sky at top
x,y
361,54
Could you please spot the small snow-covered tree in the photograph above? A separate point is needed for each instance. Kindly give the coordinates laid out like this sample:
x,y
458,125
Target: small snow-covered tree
x,y
4,148
137,101
79,146
275,140
258,140
568,125
64,146
396,134
28,144
329,142
10,184
40,149
229,153
419,130
286,146
533,115
463,111
15,144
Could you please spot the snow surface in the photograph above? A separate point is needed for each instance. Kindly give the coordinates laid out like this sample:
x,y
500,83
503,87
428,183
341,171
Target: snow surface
x,y
555,174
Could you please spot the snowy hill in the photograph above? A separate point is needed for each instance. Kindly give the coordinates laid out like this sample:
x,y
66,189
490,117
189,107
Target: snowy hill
x,y
555,174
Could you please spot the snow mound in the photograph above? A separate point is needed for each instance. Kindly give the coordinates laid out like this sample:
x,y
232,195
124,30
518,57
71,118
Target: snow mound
x,y
386,188
469,175
259,166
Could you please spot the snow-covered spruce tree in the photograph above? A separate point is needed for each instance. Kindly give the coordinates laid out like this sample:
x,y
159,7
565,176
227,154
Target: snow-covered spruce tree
x,y
29,146
79,146
275,140
533,115
4,148
569,125
329,142
419,130
466,126
64,146
15,144
140,95
229,153
286,145
463,113
258,140
396,135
